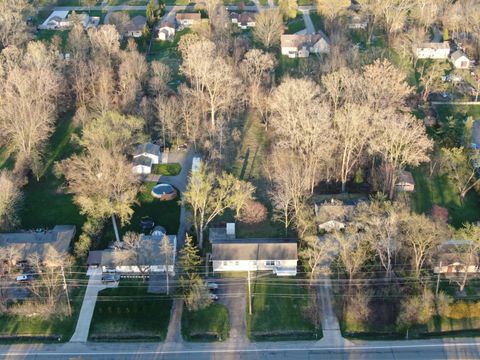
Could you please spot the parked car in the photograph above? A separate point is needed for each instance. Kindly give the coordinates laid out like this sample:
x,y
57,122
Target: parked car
x,y
212,286
213,297
109,278
24,277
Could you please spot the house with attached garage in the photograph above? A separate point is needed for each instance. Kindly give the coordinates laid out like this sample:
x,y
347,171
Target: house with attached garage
x,y
134,28
301,46
229,253
144,156
244,20
436,51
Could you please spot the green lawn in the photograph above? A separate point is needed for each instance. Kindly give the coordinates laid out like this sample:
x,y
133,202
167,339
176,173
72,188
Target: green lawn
x,y
278,311
130,313
436,189
45,329
164,213
44,204
47,36
296,24
317,20
167,169
457,111
209,324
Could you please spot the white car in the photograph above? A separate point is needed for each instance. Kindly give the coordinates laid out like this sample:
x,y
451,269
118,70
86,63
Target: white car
x,y
24,277
213,297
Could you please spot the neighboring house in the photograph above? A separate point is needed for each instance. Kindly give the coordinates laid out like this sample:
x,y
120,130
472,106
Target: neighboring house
x,y
148,258
144,156
476,135
243,20
57,20
188,19
134,28
302,46
333,215
166,32
460,60
451,261
438,51
405,182
357,22
142,165
253,254
39,242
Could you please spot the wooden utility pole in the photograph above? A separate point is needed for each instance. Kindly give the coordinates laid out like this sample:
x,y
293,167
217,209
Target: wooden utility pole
x,y
438,278
249,295
66,292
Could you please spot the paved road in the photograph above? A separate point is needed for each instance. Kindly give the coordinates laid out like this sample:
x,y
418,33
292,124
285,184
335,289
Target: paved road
x,y
292,350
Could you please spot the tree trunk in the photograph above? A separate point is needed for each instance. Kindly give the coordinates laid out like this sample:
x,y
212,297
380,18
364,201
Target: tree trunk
x,y
344,186
115,229
212,116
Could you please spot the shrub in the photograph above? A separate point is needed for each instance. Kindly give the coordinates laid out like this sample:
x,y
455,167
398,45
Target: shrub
x,y
443,303
417,309
462,310
253,212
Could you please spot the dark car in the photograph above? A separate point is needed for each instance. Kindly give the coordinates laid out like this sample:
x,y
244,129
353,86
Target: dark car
x,y
109,278
147,223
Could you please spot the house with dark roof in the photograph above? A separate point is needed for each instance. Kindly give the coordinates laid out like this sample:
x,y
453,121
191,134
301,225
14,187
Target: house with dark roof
x,y
39,242
243,20
135,27
229,253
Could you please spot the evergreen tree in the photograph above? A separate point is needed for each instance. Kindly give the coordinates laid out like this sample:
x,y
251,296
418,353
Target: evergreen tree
x,y
189,257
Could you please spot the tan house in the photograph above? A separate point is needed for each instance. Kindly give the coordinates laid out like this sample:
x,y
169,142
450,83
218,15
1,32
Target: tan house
x,y
357,22
437,51
302,46
460,60
244,20
188,19
135,27
453,259
166,32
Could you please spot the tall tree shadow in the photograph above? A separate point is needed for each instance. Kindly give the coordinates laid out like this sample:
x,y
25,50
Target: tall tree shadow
x,y
245,164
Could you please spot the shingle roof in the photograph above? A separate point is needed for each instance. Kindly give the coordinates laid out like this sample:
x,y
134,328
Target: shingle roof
x,y
298,41
255,249
188,16
136,24
433,45
147,148
142,160
457,55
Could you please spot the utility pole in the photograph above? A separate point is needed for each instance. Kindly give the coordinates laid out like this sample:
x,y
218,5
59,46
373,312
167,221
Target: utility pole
x,y
249,295
438,278
66,291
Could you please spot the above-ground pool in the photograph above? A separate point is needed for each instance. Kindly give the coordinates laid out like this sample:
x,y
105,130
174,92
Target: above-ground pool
x,y
164,192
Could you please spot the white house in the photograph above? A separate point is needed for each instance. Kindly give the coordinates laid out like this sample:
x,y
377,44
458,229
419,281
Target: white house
x,y
254,254
460,60
437,51
166,32
357,22
188,19
243,20
57,20
142,165
148,258
295,45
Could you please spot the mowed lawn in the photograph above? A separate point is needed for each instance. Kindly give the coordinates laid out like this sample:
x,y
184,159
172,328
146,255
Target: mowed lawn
x,y
278,311
209,324
129,312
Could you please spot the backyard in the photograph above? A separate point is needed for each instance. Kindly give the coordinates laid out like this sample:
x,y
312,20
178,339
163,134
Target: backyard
x,y
209,324
279,311
129,312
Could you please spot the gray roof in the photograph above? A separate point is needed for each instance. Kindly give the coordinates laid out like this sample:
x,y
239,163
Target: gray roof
x,y
147,148
298,41
142,160
136,24
254,249
457,55
31,242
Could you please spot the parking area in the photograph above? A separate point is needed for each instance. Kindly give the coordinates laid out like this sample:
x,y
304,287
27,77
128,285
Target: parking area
x,y
232,292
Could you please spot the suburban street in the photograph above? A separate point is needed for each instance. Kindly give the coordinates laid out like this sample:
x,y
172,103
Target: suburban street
x,y
468,348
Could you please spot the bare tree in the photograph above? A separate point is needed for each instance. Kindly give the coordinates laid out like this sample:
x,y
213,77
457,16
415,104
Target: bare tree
x,y
168,118
256,67
167,250
105,41
421,236
198,295
431,78
400,140
467,252
133,251
9,255
10,200
28,102
209,195
160,75
268,28
317,254
14,30
458,168
331,9
120,20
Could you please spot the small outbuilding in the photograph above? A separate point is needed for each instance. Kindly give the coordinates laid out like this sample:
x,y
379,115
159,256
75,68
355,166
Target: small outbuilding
x,y
405,182
460,60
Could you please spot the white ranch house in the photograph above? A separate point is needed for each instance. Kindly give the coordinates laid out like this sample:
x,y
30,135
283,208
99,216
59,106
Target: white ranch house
x,y
144,156
437,51
254,254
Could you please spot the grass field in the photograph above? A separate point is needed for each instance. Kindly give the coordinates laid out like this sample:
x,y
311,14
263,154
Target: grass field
x,y
278,311
130,313
296,24
167,169
209,324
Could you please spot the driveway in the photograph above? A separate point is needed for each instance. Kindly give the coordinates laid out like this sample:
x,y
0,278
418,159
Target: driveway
x,y
86,312
232,293
308,22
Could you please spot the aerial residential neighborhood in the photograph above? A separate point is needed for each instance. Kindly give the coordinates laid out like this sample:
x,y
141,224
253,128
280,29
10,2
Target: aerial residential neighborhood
x,y
240,179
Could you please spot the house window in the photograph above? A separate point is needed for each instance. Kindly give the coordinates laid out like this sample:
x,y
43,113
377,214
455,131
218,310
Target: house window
x,y
270,263
225,263
237,263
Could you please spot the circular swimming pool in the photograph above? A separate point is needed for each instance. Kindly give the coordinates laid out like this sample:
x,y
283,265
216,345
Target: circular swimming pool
x,y
164,192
